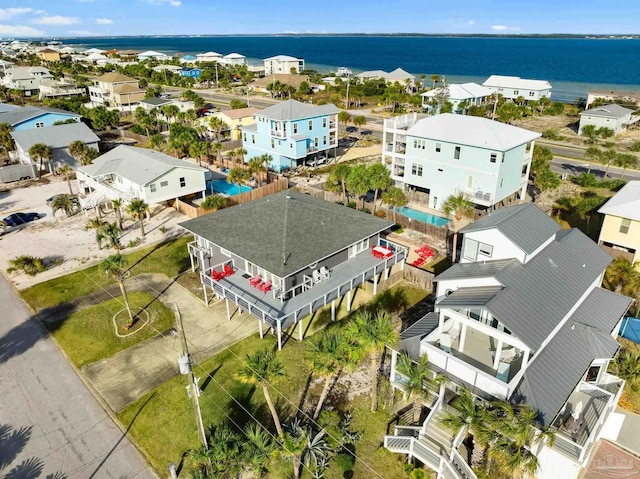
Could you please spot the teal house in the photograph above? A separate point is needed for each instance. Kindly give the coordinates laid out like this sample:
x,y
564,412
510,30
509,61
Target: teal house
x,y
31,117
291,132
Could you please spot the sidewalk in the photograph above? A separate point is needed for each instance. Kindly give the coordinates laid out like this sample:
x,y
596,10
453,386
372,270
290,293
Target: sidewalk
x,y
130,374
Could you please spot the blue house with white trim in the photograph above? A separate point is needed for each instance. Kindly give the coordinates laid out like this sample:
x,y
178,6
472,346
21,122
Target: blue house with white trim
x,y
30,117
291,132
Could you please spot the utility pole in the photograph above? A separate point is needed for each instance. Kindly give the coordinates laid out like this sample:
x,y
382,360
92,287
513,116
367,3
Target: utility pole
x,y
347,99
193,391
217,84
495,106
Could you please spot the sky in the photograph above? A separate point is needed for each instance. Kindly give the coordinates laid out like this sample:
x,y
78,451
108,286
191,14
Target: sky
x,y
65,18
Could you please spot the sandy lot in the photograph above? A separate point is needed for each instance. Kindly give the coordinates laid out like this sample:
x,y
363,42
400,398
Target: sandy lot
x,y
63,239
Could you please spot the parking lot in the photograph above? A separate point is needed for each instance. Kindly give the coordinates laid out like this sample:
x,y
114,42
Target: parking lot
x,y
63,242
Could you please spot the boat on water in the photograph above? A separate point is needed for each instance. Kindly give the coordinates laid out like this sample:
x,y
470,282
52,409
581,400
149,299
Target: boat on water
x,y
343,72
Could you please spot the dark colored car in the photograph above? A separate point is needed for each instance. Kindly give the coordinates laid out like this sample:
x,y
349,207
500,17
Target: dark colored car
x,y
17,219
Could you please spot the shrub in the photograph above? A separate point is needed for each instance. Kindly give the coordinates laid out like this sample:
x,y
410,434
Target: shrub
x,y
380,214
137,129
352,204
134,243
635,146
586,179
589,180
550,134
345,461
365,210
30,265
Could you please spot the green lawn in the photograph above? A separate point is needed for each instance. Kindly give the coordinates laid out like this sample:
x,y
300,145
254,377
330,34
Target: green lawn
x,y
170,258
89,335
162,423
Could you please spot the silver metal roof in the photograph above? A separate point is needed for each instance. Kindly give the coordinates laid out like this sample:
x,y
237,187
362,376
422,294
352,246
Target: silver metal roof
x,y
470,297
552,376
526,225
295,110
608,111
485,269
59,136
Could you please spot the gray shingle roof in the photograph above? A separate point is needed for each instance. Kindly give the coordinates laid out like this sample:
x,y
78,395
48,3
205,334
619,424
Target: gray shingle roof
x,y
295,110
288,225
59,136
470,297
608,111
526,225
156,101
553,375
139,165
18,115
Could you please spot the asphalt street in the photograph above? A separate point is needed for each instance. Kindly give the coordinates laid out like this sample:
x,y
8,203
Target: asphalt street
x,y
51,426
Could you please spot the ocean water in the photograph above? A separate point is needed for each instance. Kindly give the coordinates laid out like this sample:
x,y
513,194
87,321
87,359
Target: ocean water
x,y
573,66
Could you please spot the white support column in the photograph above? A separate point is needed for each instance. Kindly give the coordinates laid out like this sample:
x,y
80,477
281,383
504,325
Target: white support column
x,y
440,322
375,284
394,362
386,273
348,301
525,359
496,360
333,310
300,331
442,391
260,327
463,337
402,264
193,268
226,300
279,336
206,299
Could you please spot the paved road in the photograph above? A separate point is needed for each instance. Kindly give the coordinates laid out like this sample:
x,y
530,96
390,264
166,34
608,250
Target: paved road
x,y
575,167
49,422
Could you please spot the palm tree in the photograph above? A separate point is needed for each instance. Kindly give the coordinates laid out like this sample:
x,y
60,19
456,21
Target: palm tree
x,y
214,202
329,353
117,209
6,140
624,161
199,150
301,445
110,233
623,277
262,368
370,335
239,154
337,180
238,176
469,416
137,208
201,458
457,206
379,179
217,125
358,181
258,448
394,197
65,202
41,152
592,154
216,149
95,223
30,265
359,121
606,158
344,117
66,170
419,380
77,150
256,165
115,267
627,366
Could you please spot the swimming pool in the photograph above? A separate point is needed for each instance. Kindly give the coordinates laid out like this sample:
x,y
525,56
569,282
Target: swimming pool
x,y
221,186
422,216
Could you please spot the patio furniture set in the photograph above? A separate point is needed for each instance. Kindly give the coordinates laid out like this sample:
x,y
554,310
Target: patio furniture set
x,y
218,275
381,252
256,282
424,254
320,275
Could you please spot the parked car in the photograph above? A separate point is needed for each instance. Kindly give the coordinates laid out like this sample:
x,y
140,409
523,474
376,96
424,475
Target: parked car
x,y
17,219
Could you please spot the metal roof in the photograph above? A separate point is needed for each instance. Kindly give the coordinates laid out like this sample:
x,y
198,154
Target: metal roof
x,y
525,225
608,111
480,269
471,297
625,203
410,338
283,58
19,115
460,92
471,131
295,110
286,232
139,165
552,376
59,136
501,81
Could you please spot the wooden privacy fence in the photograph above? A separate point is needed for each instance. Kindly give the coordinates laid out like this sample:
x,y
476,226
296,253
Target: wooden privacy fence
x,y
419,277
193,211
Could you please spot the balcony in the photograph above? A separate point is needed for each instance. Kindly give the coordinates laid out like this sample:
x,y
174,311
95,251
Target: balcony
x,y
403,122
477,196
279,133
333,125
287,307
311,149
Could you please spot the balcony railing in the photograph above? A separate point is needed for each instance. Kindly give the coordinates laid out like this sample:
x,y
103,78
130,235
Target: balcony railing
x,y
311,149
278,133
477,196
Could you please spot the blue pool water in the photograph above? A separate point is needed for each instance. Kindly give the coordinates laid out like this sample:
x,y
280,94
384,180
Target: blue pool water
x,y
221,186
422,216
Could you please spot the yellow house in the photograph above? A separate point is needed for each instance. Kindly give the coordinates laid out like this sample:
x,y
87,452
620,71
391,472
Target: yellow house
x,y
235,119
116,90
620,233
49,55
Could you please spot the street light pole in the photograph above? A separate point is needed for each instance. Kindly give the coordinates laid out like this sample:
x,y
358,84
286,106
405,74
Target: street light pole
x,y
347,99
193,390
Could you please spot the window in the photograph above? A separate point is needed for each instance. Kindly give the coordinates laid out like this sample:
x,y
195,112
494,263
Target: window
x,y
244,137
295,128
253,139
592,374
532,93
456,153
324,122
183,182
310,125
39,124
324,140
279,142
419,144
493,158
290,145
438,147
163,184
470,249
416,170
524,169
624,225
358,247
273,143
152,187
485,249
516,92
315,142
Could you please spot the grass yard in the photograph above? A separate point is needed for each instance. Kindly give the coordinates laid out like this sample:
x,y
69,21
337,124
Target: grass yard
x,y
162,423
89,335
170,258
